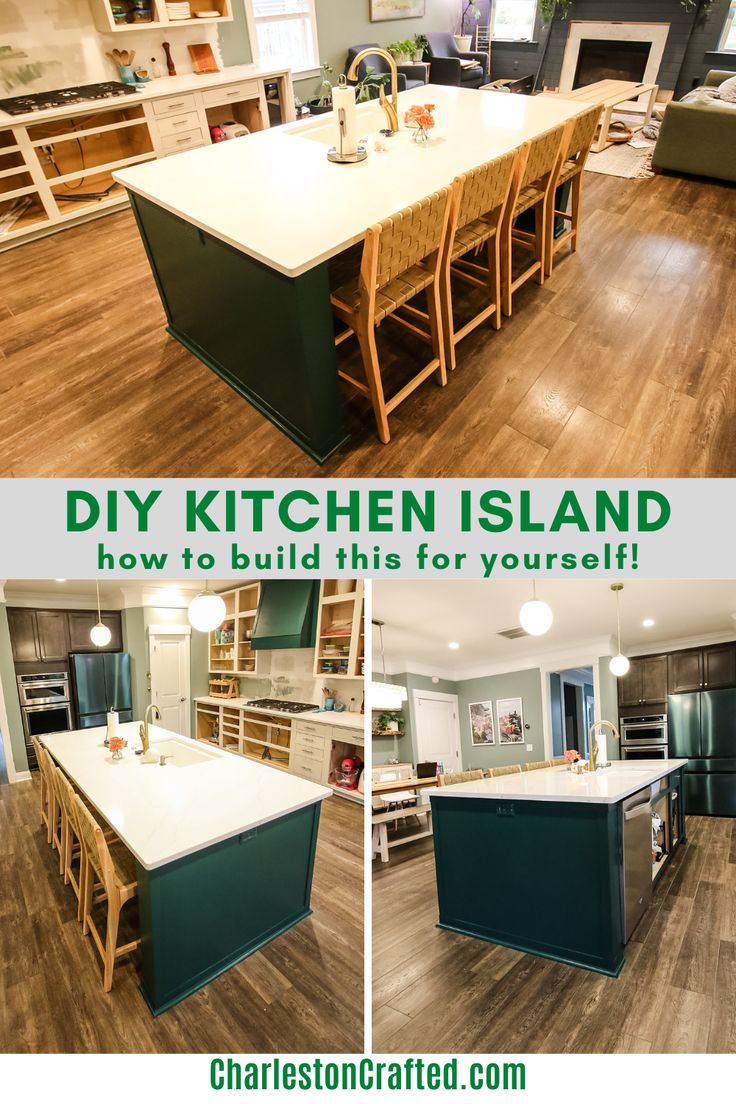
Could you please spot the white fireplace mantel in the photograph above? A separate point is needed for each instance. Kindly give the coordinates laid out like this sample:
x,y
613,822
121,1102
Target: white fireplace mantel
x,y
580,30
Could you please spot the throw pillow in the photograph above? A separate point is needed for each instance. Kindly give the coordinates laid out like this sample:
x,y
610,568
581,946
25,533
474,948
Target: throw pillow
x,y
727,90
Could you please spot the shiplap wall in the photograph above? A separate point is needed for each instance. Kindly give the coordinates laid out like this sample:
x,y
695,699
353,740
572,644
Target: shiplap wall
x,y
686,59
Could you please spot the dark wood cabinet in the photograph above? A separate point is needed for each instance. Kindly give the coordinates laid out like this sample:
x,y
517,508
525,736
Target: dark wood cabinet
x,y
719,666
23,638
81,623
710,668
645,683
52,635
48,636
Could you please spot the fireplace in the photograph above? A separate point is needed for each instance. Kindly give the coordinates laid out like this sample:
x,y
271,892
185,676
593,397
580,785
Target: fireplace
x,y
610,50
611,59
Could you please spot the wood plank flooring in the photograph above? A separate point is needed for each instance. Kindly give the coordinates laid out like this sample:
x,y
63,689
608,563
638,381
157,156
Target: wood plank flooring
x,y
622,365
435,991
293,995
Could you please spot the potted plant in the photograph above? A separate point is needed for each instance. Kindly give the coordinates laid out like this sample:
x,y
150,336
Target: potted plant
x,y
390,722
470,14
420,45
402,51
367,88
321,102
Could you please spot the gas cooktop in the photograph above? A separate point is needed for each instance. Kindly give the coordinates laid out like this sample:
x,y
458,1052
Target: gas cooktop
x,y
283,706
63,97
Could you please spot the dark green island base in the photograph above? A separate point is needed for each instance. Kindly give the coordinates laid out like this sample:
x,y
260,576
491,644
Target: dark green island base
x,y
544,877
203,913
269,336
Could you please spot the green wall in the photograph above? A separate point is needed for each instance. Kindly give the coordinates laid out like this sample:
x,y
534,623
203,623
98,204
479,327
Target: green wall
x,y
526,685
10,694
608,703
340,24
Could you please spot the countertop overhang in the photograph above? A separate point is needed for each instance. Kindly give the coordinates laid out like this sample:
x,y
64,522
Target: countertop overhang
x,y
607,786
165,813
275,197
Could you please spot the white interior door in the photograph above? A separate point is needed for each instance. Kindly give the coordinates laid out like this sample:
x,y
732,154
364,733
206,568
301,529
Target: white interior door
x,y
437,729
170,679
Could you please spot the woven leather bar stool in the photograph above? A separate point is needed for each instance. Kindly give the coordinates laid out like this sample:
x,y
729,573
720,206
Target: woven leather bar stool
x,y
401,257
571,169
53,818
499,772
114,865
479,202
452,778
533,188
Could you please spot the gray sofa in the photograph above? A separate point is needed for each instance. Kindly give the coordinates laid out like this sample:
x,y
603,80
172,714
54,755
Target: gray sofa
x,y
699,138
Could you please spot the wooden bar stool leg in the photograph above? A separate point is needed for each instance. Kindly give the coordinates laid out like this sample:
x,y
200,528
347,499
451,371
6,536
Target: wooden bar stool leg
x,y
540,215
549,238
448,322
507,252
111,939
577,198
493,251
434,311
89,880
365,331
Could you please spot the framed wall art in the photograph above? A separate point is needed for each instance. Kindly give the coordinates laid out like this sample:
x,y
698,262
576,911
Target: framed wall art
x,y
383,10
510,721
482,730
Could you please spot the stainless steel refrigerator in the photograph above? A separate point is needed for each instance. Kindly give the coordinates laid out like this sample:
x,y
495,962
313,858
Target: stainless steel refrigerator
x,y
101,683
702,729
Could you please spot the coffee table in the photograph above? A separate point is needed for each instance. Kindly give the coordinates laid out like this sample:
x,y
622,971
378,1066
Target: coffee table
x,y
612,94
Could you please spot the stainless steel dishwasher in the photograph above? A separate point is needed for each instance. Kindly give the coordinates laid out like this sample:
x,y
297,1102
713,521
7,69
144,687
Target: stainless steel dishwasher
x,y
637,813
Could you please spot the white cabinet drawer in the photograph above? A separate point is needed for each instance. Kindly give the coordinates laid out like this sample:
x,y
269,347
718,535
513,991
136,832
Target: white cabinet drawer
x,y
174,143
309,728
313,752
178,124
231,93
174,105
307,768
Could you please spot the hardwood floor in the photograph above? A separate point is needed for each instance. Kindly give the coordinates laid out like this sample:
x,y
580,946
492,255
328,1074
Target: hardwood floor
x,y
622,365
435,991
303,992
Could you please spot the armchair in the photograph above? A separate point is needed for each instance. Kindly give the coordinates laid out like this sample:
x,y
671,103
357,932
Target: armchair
x,y
410,76
445,63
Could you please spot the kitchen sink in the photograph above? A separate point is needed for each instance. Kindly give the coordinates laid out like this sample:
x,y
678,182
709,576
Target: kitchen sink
x,y
178,754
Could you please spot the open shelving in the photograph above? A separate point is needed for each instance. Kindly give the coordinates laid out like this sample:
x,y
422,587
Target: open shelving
x,y
340,644
106,22
230,645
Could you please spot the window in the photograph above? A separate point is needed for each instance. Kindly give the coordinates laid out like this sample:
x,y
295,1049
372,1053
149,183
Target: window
x,y
284,31
728,41
514,20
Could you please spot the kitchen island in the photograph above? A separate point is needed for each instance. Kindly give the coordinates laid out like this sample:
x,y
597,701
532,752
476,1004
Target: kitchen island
x,y
224,849
550,862
239,235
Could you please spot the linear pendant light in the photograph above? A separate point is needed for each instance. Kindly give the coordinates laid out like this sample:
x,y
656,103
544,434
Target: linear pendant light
x,y
536,617
99,634
386,695
619,665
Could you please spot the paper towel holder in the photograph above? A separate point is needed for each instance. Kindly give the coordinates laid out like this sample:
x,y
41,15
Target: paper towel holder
x,y
334,153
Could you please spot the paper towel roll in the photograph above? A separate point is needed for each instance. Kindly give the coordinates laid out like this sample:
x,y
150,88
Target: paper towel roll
x,y
112,725
602,748
346,124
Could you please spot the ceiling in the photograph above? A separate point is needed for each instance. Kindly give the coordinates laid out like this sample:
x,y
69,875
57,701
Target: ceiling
x,y
114,594
422,617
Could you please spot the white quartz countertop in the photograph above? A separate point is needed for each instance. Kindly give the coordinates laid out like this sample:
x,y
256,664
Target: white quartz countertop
x,y
151,90
319,716
165,813
276,197
607,786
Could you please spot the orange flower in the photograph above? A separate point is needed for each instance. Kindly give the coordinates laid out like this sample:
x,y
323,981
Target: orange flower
x,y
426,121
429,107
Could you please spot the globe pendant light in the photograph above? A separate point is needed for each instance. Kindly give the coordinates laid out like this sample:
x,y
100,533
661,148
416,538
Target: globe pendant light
x,y
99,634
619,665
535,616
206,611
386,695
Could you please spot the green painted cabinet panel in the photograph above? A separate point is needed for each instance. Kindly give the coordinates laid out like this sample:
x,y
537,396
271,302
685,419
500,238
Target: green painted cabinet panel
x,y
544,877
269,336
202,914
287,614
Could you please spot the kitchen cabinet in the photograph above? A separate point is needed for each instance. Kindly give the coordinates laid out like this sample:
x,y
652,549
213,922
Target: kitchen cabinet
x,y
340,647
53,634
645,683
38,636
709,668
80,625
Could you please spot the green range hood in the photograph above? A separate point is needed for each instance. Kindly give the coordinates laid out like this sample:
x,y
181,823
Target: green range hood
x,y
287,614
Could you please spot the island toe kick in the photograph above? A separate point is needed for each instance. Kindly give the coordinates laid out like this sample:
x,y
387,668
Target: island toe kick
x,y
201,914
269,336
542,877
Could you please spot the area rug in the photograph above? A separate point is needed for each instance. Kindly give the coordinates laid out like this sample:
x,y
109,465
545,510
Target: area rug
x,y
630,162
